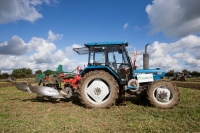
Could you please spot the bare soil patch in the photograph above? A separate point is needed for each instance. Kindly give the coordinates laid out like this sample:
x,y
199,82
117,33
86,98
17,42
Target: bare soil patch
x,y
188,85
6,85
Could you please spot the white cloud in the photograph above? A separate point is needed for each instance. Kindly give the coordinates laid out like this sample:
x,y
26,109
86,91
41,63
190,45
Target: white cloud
x,y
42,54
179,55
125,26
189,60
76,46
166,63
190,43
41,45
174,17
8,62
52,37
16,46
69,49
182,55
197,55
14,10
58,55
50,1
158,49
44,48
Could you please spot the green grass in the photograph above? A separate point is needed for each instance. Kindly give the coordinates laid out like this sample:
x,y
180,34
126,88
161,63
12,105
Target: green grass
x,y
22,112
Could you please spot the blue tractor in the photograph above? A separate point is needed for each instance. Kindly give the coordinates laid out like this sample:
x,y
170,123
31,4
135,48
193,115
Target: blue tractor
x,y
110,73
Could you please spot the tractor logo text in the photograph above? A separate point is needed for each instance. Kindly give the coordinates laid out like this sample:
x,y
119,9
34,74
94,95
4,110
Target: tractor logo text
x,y
145,78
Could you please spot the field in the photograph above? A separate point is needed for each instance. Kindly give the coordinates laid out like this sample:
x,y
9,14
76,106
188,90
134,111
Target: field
x,y
24,112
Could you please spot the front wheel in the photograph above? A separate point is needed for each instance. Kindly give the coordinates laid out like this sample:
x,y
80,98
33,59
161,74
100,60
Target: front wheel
x,y
98,89
163,94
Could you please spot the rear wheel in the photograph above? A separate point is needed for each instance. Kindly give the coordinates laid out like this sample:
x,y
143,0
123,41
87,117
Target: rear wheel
x,y
98,89
163,94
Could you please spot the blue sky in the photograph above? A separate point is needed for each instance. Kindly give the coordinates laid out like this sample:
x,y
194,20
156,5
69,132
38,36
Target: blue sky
x,y
40,34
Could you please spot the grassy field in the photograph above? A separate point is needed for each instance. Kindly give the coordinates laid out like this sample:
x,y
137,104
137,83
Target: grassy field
x,y
23,112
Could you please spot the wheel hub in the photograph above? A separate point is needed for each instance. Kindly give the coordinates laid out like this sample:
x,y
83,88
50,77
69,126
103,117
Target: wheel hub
x,y
97,90
163,95
67,92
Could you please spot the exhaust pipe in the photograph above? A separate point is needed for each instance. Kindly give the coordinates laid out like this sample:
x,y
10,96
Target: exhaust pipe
x,y
146,58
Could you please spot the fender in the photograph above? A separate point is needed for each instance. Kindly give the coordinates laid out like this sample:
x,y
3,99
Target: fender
x,y
106,68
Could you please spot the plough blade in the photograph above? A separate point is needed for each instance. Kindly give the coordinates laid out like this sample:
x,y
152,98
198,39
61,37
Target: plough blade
x,y
45,91
22,87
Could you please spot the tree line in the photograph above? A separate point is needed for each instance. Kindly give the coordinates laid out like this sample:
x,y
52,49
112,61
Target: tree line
x,y
185,72
25,73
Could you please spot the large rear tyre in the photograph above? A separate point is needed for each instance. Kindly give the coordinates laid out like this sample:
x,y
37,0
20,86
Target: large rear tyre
x,y
98,89
163,94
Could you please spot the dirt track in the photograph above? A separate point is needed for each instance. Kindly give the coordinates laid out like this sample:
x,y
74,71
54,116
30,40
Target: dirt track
x,y
6,84
188,85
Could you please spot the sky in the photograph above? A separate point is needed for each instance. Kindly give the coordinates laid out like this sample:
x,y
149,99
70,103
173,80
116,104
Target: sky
x,y
41,34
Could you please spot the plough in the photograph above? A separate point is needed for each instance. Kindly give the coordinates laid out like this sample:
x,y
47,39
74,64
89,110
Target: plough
x,y
51,86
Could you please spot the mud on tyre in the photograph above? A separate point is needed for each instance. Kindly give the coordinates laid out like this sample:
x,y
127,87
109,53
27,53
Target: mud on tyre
x,y
98,89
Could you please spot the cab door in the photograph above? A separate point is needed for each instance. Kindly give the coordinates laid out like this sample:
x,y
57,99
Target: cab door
x,y
119,62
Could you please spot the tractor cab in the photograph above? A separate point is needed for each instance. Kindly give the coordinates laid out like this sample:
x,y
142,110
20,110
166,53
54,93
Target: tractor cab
x,y
109,56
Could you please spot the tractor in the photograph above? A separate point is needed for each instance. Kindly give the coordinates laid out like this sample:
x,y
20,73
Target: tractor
x,y
108,75
179,76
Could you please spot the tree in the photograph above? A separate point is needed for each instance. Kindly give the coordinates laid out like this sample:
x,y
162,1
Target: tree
x,y
170,73
28,71
38,72
186,72
49,72
4,75
195,74
22,72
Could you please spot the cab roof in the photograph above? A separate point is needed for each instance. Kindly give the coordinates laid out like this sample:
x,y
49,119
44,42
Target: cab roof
x,y
106,43
85,50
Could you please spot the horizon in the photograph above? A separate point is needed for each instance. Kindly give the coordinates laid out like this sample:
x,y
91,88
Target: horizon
x,y
41,34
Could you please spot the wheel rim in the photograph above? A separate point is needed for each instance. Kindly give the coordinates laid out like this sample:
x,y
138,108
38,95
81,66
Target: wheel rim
x,y
163,95
97,91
